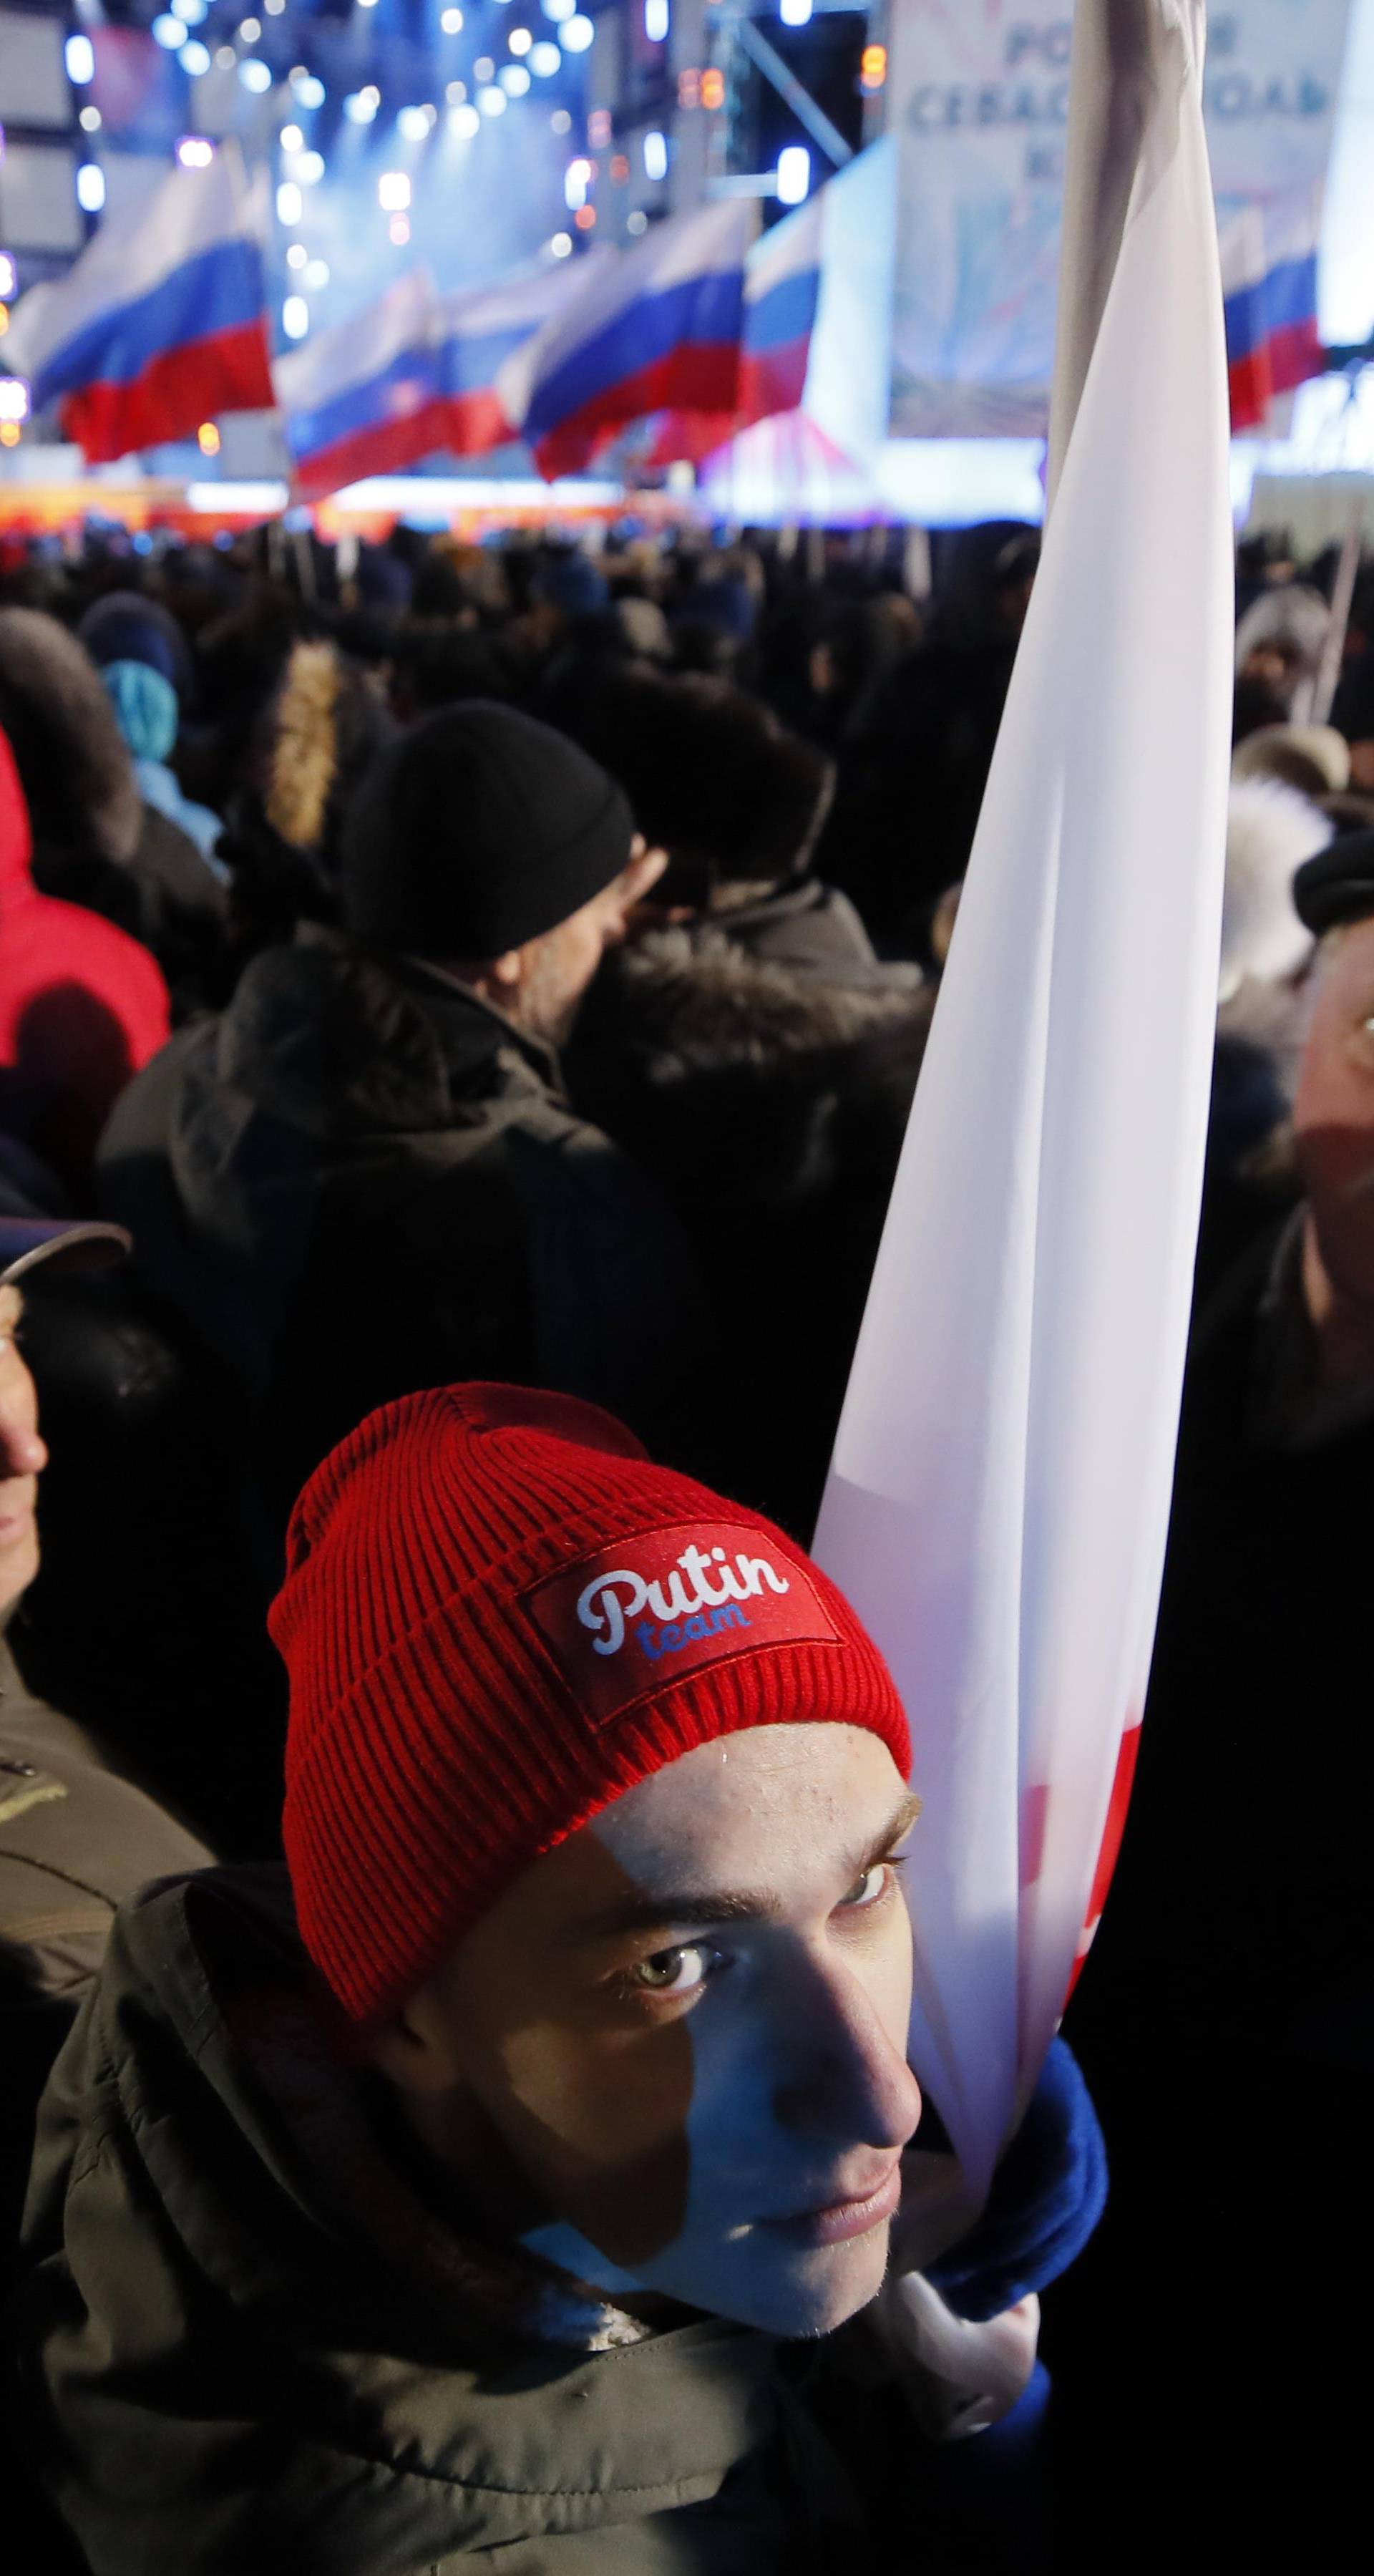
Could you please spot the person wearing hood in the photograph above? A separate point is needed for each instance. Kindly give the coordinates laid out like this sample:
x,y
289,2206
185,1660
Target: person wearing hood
x,y
500,2179
96,841
364,1174
142,656
83,1007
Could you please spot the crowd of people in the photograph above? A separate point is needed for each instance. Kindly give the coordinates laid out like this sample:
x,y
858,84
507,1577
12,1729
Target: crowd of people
x,y
459,1010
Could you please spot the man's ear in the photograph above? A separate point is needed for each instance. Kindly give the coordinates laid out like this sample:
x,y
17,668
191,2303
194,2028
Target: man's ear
x,y
505,974
414,2049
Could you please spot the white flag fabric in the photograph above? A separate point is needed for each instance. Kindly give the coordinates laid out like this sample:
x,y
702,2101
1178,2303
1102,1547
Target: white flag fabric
x,y
999,1495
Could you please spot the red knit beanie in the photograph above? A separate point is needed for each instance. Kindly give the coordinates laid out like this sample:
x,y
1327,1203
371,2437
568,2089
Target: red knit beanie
x,y
498,1615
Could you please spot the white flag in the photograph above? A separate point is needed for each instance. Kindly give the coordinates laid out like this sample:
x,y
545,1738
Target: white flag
x,y
999,1494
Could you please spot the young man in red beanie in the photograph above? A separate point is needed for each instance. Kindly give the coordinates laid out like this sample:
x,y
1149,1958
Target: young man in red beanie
x,y
453,2202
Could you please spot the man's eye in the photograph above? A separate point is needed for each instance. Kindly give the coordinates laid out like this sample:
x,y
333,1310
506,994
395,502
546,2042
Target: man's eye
x,y
873,1885
674,1972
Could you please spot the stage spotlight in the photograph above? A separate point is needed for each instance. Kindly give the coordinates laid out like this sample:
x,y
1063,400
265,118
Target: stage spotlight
x,y
195,151
484,69
90,187
456,93
558,10
656,21
297,256
464,122
638,222
655,156
577,178
393,192
545,60
250,31
208,439
80,61
794,174
310,169
361,106
90,120
561,245
519,40
561,121
316,274
308,90
195,58
295,317
225,58
515,80
492,102
291,138
412,124
193,11
14,398
169,31
255,76
578,34
399,229
9,275
795,13
452,22
274,8
289,203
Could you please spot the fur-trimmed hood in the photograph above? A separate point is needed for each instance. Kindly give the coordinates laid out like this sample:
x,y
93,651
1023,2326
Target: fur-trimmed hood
x,y
1271,829
695,1000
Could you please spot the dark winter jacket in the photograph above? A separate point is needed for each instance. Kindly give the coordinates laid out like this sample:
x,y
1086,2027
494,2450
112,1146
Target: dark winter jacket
x,y
75,1842
359,1180
763,1064
249,2341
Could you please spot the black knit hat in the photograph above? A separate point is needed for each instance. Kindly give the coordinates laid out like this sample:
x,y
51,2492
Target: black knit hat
x,y
478,830
1338,885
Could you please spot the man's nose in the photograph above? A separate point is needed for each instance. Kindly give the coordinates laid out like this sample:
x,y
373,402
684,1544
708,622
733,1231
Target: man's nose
x,y
22,1453
846,2080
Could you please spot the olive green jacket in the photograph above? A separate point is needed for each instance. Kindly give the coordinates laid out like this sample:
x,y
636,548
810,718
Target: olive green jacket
x,y
247,2341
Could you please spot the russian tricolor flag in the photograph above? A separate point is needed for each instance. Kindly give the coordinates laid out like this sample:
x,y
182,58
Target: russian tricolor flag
x,y
781,291
160,324
480,331
656,328
366,397
1269,279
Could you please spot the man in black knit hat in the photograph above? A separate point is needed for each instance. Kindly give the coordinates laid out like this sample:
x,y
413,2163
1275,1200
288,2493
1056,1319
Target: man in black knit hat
x,y
362,1177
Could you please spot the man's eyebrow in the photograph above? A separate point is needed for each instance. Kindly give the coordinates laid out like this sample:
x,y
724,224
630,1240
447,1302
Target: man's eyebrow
x,y
695,1910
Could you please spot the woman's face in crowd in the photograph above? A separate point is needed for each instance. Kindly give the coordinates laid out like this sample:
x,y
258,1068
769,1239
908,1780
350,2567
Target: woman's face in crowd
x,y
684,2030
1333,1114
22,1458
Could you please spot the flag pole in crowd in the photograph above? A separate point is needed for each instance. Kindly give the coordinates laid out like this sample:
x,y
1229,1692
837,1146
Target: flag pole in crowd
x,y
999,1493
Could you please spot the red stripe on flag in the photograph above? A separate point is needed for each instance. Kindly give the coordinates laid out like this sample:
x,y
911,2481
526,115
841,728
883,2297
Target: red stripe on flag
x,y
701,377
384,447
1296,353
475,423
182,387
773,380
1252,388
1117,1806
